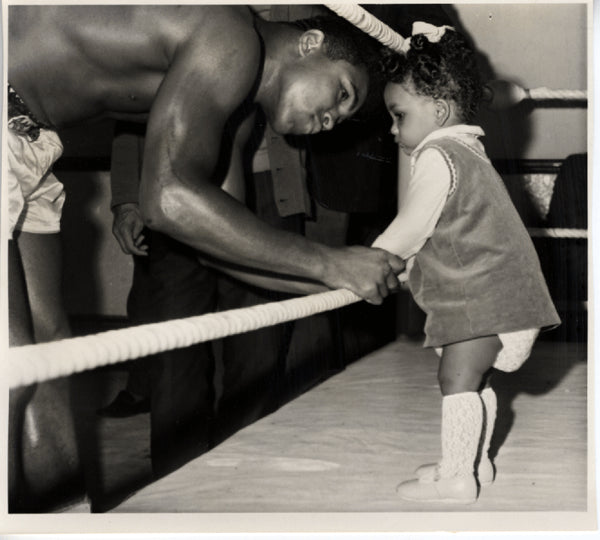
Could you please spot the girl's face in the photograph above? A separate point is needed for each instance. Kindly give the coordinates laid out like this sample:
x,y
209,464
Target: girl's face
x,y
413,116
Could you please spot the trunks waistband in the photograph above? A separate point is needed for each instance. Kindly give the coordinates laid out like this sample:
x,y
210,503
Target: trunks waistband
x,y
20,119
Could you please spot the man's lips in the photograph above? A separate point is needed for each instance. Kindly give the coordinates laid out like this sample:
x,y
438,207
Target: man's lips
x,y
315,125
310,127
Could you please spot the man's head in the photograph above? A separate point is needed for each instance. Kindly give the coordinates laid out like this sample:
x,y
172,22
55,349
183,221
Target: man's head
x,y
335,70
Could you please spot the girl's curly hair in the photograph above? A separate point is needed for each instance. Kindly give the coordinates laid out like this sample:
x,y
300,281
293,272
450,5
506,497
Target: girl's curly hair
x,y
443,70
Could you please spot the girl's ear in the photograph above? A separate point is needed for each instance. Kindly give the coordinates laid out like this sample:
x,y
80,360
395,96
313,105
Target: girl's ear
x,y
310,41
442,112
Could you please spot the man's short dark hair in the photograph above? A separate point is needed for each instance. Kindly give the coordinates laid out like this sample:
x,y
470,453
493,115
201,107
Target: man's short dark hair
x,y
344,41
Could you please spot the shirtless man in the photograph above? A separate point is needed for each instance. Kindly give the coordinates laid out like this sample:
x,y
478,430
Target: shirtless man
x,y
189,71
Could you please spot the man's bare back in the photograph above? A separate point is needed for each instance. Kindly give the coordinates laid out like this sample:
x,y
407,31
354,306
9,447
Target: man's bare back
x,y
108,60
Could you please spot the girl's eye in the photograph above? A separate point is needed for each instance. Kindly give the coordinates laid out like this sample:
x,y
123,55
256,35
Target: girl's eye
x,y
399,116
344,95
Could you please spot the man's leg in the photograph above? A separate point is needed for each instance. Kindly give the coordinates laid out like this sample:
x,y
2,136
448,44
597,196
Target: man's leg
x,y
41,255
134,399
20,326
42,441
169,284
20,333
254,363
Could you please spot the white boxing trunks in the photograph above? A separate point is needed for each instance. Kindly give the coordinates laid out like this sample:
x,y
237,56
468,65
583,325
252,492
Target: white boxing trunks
x,y
35,195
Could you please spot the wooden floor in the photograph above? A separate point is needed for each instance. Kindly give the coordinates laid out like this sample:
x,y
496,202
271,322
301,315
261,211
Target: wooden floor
x,y
345,445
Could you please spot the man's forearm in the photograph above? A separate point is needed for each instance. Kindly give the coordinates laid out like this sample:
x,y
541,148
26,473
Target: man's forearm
x,y
213,222
267,281
210,220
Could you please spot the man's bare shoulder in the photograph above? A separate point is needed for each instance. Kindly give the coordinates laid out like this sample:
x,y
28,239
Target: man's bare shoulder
x,y
220,27
224,44
229,22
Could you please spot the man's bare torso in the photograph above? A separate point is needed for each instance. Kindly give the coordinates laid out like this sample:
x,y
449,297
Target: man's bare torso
x,y
72,63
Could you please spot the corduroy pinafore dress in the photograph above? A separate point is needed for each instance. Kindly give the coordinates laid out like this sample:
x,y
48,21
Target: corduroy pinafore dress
x,y
479,273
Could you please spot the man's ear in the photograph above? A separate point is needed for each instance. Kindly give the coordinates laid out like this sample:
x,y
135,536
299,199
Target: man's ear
x,y
310,41
442,111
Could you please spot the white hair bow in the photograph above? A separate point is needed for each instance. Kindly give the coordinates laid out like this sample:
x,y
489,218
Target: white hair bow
x,y
431,32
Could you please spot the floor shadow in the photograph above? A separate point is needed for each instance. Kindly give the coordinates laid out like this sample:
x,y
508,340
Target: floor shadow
x,y
86,391
114,452
539,375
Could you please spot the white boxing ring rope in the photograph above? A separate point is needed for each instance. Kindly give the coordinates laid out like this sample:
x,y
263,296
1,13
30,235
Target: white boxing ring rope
x,y
543,93
36,363
369,24
536,232
511,93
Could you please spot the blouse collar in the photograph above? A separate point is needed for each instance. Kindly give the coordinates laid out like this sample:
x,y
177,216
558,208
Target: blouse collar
x,y
452,131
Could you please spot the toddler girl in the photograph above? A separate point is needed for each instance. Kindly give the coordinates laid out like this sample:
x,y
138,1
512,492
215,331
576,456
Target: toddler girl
x,y
471,264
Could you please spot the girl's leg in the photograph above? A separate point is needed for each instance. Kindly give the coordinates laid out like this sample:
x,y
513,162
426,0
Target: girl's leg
x,y
485,470
462,370
485,467
464,365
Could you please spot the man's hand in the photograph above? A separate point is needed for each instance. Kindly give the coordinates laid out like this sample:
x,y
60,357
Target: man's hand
x,y
370,273
127,228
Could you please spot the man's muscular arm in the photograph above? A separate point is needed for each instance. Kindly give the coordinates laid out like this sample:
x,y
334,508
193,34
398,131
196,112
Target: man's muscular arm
x,y
200,92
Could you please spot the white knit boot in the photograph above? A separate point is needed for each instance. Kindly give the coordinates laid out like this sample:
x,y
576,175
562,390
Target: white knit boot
x,y
454,481
485,471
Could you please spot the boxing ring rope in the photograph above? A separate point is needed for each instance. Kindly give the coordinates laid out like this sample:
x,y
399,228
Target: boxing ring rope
x,y
499,94
36,363
543,94
369,24
557,233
